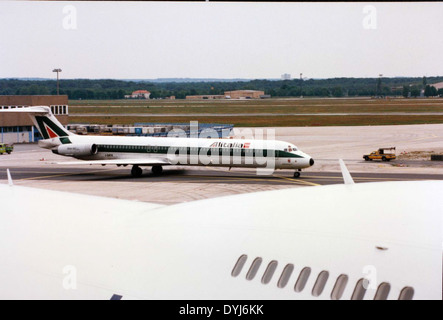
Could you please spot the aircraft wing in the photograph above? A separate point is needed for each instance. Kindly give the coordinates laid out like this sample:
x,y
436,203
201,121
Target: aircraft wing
x,y
140,162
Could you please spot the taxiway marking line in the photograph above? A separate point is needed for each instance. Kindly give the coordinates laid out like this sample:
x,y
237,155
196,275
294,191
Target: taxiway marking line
x,y
291,180
299,181
365,178
433,136
233,178
62,175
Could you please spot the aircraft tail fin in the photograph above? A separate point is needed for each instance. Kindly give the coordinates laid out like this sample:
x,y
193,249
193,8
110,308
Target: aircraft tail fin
x,y
43,119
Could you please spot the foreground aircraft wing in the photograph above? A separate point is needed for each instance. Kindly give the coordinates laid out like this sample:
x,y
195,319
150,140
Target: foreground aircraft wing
x,y
140,162
57,245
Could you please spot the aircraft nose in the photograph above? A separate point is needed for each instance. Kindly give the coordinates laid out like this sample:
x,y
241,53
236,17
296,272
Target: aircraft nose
x,y
311,162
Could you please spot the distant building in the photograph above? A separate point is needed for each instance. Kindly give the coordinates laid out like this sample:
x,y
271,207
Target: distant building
x,y
438,85
206,97
286,76
245,94
18,127
139,94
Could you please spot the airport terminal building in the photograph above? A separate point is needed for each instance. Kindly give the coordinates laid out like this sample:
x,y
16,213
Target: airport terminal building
x,y
17,127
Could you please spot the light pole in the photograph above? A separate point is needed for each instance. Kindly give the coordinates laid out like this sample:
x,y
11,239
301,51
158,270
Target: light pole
x,y
379,85
301,85
57,70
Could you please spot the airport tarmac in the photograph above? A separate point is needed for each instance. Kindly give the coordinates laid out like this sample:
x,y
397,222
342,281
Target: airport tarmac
x,y
32,166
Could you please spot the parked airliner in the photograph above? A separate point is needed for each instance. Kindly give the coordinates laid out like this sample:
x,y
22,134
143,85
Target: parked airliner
x,y
158,152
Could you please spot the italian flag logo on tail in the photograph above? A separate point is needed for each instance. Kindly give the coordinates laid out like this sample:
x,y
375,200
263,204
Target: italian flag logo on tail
x,y
51,130
51,133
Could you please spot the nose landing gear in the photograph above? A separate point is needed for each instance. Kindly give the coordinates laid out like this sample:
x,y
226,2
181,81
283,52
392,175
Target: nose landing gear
x,y
297,173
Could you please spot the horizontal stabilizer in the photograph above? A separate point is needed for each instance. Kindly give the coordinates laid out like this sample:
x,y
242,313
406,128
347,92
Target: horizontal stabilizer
x,y
45,122
35,109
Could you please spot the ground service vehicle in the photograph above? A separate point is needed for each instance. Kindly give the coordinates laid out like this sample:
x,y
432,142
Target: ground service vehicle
x,y
381,154
6,148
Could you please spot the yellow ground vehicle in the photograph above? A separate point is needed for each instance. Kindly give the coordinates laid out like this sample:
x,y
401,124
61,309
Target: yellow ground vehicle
x,y
381,154
6,148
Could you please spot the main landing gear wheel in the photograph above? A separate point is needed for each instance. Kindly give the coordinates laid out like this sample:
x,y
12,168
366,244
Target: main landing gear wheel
x,y
156,170
136,171
297,174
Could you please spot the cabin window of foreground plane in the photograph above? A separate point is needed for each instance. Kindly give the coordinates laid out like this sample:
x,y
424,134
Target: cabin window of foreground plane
x,y
382,291
360,290
406,294
320,284
339,287
254,268
286,274
239,265
267,276
302,279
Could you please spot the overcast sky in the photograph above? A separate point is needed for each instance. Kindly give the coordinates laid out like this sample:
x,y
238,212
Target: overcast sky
x,y
146,40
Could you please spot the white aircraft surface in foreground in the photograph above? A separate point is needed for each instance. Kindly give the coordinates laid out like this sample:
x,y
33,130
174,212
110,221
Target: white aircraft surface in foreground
x,y
379,240
158,152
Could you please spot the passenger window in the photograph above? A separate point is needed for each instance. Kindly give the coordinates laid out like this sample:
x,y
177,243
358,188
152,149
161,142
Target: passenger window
x,y
382,291
239,265
267,276
320,284
406,294
254,269
360,290
286,274
339,287
302,279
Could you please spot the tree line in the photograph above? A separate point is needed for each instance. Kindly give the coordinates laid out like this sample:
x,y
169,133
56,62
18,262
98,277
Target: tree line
x,y
104,89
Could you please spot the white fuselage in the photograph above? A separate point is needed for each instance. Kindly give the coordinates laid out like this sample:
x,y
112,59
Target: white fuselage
x,y
191,151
